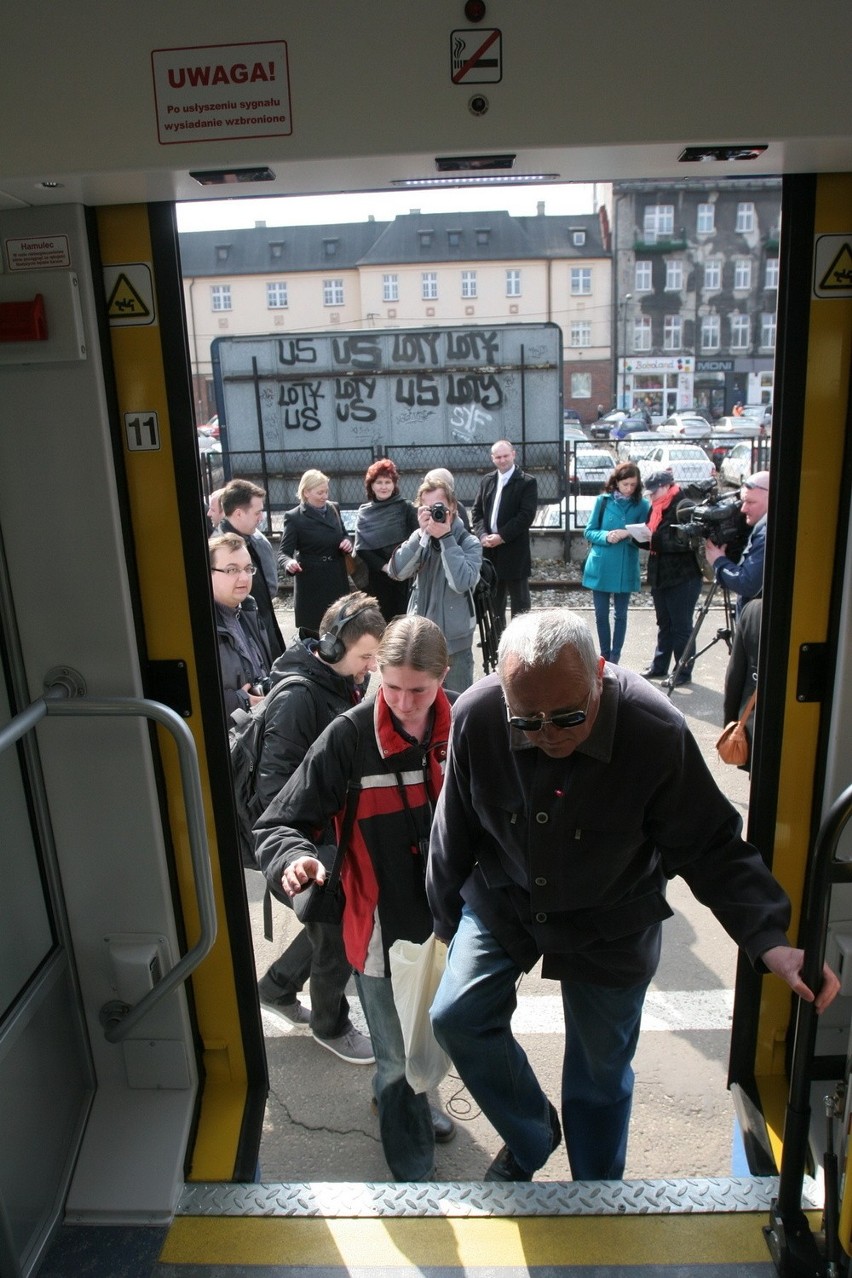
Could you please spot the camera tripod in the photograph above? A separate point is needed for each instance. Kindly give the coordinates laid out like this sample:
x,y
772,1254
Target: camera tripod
x,y
724,634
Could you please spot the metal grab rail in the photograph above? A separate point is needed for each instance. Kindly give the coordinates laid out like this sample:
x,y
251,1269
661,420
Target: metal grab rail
x,y
60,699
789,1234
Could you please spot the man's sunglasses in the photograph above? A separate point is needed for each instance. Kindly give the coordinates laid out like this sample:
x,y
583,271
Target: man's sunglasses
x,y
562,718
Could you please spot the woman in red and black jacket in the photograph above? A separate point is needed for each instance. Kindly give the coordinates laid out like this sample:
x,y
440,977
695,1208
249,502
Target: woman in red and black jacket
x,y
392,753
673,575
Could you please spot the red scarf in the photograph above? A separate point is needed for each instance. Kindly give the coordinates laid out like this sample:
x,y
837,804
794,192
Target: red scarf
x,y
658,508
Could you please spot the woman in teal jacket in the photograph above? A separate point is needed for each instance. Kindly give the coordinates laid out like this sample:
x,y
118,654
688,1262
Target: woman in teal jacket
x,y
611,570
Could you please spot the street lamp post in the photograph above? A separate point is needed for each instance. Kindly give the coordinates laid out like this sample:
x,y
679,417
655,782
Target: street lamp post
x,y
628,297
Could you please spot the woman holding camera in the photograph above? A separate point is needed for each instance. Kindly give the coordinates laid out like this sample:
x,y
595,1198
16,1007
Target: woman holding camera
x,y
444,560
611,570
384,520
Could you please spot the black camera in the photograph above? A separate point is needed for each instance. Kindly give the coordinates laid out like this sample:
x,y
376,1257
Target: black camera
x,y
714,518
439,512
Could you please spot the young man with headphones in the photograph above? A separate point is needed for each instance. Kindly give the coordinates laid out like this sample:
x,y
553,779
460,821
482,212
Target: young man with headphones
x,y
323,677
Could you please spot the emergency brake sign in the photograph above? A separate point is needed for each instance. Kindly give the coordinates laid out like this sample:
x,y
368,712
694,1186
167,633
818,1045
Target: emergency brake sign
x,y
222,91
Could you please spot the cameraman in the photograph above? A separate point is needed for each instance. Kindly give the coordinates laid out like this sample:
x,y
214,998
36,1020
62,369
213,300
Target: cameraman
x,y
745,578
444,559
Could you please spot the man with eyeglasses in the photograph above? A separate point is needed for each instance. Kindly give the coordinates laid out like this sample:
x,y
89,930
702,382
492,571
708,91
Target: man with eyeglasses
x,y
573,791
242,512
745,579
244,656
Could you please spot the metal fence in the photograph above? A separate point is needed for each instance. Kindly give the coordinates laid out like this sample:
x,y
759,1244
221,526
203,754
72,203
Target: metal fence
x,y
279,472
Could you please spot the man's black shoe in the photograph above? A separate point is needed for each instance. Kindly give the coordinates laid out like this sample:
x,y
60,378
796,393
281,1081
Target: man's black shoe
x,y
650,673
507,1167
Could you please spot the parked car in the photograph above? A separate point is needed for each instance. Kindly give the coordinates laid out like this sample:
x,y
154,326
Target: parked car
x,y
635,446
632,424
685,426
761,413
571,416
741,426
207,444
600,429
687,462
743,460
210,429
572,434
589,470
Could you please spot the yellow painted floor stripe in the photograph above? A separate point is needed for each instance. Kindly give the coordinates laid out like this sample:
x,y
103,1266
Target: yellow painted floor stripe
x,y
598,1240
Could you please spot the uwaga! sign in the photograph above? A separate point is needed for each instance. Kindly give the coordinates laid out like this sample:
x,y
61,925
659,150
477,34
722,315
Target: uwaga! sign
x,y
222,91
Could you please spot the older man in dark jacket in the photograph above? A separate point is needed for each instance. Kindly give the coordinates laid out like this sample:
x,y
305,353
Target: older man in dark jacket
x,y
573,792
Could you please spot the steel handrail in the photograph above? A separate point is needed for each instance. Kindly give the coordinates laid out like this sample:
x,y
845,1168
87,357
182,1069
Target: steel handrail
x,y
60,699
788,1233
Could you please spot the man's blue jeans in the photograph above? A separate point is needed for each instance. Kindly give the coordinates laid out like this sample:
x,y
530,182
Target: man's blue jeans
x,y
405,1120
471,1017
611,641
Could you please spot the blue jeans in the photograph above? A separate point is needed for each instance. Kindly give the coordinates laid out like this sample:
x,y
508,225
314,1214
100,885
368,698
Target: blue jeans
x,y
405,1120
461,670
611,642
471,1017
674,606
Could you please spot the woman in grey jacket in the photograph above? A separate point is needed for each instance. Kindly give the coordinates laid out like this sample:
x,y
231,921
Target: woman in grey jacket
x,y
444,560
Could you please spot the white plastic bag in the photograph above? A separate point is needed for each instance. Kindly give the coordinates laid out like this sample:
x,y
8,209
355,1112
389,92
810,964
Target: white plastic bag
x,y
416,971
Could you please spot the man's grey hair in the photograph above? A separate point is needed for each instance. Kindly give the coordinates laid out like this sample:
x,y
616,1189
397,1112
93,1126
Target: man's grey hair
x,y
538,638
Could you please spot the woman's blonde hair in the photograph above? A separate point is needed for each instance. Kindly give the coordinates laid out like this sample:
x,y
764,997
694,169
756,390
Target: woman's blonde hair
x,y
311,479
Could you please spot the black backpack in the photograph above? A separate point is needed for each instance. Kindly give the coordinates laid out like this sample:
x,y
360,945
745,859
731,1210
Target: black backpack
x,y
245,739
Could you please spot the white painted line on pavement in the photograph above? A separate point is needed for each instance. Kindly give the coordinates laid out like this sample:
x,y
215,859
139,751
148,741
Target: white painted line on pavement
x,y
670,1010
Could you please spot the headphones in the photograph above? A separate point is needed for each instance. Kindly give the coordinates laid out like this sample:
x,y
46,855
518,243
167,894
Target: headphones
x,y
331,647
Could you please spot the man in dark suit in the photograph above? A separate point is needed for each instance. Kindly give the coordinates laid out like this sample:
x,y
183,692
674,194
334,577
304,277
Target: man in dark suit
x,y
505,507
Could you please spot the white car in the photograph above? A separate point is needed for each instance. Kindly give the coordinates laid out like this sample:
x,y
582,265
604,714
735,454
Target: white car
x,y
687,462
685,426
743,460
743,426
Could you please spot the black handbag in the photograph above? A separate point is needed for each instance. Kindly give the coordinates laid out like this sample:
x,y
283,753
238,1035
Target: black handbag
x,y
324,902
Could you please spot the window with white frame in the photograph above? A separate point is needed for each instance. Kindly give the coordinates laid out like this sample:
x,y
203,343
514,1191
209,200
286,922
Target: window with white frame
x,y
581,386
742,272
642,333
711,332
513,282
581,333
332,292
276,295
659,222
674,275
705,220
767,331
773,273
672,333
220,297
581,281
390,288
740,332
468,283
745,217
643,282
578,238
713,273
429,285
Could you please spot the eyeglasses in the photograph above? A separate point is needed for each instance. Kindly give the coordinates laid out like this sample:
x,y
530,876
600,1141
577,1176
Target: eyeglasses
x,y
233,571
562,718
763,488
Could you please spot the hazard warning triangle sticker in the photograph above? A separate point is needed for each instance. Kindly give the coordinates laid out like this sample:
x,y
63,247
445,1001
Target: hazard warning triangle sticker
x,y
833,266
129,289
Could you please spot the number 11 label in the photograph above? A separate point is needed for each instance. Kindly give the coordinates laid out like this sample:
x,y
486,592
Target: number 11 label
x,y
142,431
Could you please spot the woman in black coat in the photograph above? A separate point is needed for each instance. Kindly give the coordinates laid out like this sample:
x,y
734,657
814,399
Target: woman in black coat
x,y
313,548
384,522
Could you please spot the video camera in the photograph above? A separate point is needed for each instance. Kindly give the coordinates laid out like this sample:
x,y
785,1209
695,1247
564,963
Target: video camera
x,y
707,514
